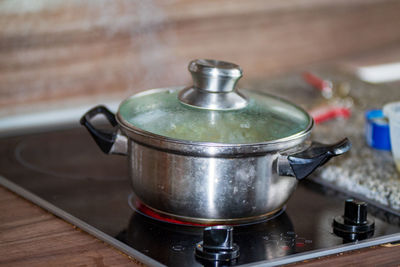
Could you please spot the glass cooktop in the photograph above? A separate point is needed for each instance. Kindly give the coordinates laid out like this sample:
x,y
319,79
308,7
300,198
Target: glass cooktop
x,y
64,172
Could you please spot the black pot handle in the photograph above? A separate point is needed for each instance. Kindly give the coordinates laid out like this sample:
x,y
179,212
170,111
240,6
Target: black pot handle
x,y
302,164
105,140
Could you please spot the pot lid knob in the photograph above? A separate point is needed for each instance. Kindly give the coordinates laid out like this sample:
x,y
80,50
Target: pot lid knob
x,y
213,87
214,76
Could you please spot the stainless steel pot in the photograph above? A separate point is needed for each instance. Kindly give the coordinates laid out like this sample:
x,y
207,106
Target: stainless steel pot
x,y
212,182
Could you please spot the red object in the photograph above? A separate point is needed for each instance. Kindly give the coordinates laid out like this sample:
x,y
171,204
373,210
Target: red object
x,y
317,82
151,213
325,114
328,112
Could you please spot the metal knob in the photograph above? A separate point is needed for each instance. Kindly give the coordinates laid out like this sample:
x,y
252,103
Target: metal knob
x,y
214,76
214,85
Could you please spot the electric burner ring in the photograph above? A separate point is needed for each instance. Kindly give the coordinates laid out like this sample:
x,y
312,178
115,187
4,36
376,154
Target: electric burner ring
x,y
137,206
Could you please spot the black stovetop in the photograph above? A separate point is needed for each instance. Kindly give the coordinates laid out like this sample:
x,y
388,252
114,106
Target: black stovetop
x,y
65,172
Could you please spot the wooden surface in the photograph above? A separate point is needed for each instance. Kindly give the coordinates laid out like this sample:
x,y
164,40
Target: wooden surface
x,y
373,256
55,49
30,236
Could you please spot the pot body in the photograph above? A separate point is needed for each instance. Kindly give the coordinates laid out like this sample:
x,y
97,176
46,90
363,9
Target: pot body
x,y
212,183
211,180
208,189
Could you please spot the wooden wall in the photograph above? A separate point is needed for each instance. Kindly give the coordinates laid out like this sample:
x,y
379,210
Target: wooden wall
x,y
54,49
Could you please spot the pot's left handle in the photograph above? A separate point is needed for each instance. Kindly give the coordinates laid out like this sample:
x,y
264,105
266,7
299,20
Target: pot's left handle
x,y
302,164
109,142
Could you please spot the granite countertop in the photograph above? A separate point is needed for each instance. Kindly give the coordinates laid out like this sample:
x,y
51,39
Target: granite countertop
x,y
368,172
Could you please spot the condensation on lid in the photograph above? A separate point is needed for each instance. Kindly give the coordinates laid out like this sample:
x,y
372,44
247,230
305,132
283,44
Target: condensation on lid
x,y
265,118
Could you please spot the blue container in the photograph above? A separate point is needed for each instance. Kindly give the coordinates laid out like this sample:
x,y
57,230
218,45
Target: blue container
x,y
377,130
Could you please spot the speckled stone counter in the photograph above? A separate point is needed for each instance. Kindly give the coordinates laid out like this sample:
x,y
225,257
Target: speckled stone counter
x,y
365,171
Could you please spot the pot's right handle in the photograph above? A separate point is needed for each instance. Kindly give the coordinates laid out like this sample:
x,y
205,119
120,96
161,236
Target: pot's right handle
x,y
109,142
302,164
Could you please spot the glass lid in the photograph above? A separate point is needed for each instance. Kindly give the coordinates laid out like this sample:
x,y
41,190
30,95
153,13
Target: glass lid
x,y
213,110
